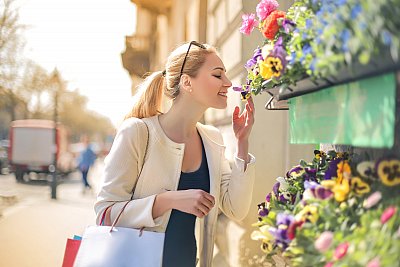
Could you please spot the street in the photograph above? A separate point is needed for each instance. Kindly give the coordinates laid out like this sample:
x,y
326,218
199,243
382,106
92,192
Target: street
x,y
33,227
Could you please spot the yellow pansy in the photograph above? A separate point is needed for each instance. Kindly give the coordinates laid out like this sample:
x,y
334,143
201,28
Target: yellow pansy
x,y
343,169
275,64
359,186
308,213
341,190
328,184
265,236
265,70
389,172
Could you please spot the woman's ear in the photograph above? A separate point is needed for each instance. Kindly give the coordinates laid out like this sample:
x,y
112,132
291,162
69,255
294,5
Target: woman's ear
x,y
186,83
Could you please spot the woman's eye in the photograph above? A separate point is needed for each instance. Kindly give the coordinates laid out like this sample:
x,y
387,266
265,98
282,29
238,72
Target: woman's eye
x,y
217,76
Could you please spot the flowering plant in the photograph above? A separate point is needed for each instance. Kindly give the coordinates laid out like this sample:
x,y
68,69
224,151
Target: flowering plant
x,y
331,212
317,39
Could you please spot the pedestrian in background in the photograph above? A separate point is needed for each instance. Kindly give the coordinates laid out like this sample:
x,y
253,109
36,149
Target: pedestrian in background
x,y
85,161
185,176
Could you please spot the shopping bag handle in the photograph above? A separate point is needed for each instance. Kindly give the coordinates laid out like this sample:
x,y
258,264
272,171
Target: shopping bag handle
x,y
140,172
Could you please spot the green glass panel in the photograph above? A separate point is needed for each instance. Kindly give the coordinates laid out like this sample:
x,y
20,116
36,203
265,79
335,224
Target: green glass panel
x,y
360,113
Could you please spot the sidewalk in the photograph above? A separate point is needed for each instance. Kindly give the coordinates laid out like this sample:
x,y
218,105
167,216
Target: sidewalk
x,y
33,232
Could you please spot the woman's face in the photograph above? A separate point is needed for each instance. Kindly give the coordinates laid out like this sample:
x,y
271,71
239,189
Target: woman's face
x,y
210,86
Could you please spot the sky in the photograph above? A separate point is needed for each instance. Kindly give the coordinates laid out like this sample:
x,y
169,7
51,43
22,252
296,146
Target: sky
x,y
83,39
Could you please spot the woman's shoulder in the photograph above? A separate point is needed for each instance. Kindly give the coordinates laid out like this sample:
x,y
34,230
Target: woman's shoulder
x,y
130,125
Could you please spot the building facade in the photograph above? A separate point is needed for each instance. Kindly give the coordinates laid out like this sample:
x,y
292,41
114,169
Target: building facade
x,y
164,25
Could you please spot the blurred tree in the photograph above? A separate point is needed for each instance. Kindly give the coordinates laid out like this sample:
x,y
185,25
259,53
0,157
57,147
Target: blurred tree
x,y
36,87
28,91
11,44
12,107
79,120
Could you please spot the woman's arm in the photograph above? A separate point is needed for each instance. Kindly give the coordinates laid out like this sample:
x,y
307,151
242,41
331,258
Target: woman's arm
x,y
119,178
237,184
242,125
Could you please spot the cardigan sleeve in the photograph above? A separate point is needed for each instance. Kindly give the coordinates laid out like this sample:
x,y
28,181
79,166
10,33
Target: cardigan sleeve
x,y
236,187
121,168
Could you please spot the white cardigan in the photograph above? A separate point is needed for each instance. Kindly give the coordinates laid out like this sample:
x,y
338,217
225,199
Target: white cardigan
x,y
232,190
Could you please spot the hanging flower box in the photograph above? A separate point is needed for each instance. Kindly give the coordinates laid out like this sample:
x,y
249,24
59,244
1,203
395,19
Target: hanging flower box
x,y
320,43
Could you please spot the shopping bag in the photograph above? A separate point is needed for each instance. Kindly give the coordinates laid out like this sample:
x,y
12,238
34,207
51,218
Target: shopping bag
x,y
71,250
105,246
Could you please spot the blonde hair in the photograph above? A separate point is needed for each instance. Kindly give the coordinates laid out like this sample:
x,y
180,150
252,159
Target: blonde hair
x,y
148,99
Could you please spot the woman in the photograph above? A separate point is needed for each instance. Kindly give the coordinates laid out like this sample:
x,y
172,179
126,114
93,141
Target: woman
x,y
185,174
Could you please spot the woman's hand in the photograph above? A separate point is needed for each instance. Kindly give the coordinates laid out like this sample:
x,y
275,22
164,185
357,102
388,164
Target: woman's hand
x,y
193,201
243,123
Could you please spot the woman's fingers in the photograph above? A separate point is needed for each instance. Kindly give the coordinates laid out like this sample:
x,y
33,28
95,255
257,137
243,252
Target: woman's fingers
x,y
210,199
203,209
251,103
236,113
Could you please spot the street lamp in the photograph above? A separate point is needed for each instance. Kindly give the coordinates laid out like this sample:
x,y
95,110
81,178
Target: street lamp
x,y
55,83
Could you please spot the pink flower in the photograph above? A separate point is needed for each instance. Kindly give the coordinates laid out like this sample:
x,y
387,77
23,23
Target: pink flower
x,y
324,241
372,200
329,264
248,23
265,7
374,263
341,251
388,213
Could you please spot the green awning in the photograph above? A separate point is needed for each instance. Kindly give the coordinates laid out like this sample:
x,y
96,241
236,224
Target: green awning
x,y
360,113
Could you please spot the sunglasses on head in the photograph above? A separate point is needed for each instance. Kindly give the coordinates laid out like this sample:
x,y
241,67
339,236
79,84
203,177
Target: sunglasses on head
x,y
187,52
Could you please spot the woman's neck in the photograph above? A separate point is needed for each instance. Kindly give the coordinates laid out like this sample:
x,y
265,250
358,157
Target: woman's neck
x,y
179,123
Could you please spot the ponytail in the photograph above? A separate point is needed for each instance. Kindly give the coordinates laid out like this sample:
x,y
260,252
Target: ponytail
x,y
148,98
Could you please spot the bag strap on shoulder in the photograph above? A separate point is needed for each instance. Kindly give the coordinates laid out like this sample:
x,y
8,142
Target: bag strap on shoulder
x,y
133,189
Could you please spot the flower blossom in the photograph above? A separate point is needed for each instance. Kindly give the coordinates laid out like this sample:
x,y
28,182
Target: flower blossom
x,y
270,26
341,190
248,23
308,214
359,186
343,170
372,200
341,251
265,7
253,61
374,263
292,229
388,213
324,241
389,171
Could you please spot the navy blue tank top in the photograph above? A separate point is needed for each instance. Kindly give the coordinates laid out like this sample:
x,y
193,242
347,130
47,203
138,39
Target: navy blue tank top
x,y
180,242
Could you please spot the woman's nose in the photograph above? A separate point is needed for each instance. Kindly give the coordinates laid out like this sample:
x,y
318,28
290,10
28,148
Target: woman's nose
x,y
227,82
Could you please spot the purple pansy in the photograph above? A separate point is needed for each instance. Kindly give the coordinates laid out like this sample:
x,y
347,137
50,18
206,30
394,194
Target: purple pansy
x,y
253,61
288,25
275,188
310,174
310,185
322,193
285,219
332,169
268,198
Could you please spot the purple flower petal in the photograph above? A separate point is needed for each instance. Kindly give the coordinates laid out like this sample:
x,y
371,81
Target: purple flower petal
x,y
275,189
285,219
332,169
